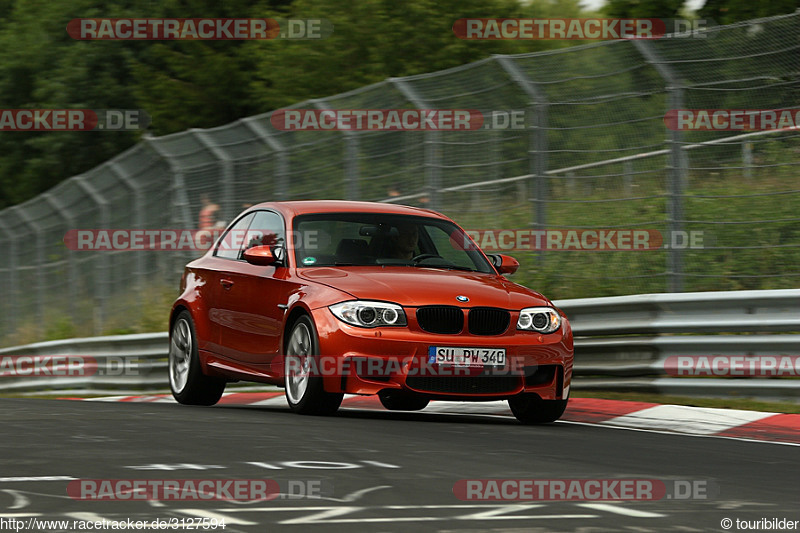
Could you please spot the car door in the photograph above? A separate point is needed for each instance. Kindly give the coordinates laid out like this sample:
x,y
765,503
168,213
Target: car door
x,y
253,298
216,274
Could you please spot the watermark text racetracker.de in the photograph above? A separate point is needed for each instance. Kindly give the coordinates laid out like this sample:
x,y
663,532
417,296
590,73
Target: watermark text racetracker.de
x,y
732,119
508,240
67,366
397,119
578,28
214,29
198,489
181,239
584,489
733,365
439,362
73,120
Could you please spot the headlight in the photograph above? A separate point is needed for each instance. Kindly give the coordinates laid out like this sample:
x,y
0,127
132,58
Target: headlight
x,y
368,314
541,319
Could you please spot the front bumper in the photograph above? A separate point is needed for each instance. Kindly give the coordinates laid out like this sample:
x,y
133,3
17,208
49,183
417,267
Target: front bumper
x,y
367,361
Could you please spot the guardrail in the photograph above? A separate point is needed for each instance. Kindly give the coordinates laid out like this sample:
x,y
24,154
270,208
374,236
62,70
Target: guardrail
x,y
125,363
621,343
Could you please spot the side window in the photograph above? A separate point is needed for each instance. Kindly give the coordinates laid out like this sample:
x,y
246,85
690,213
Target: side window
x,y
265,230
231,243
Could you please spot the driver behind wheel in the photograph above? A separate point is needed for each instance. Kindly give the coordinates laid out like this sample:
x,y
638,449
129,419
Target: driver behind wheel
x,y
405,242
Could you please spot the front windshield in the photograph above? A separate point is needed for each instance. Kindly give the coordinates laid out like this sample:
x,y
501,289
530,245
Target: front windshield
x,y
362,239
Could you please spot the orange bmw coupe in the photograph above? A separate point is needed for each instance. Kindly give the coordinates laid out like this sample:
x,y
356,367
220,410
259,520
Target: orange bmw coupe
x,y
327,298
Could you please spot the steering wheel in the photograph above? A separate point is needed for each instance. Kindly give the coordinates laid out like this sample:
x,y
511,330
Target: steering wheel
x,y
422,257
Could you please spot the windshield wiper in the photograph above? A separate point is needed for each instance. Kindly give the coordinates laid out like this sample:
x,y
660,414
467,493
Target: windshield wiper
x,y
448,267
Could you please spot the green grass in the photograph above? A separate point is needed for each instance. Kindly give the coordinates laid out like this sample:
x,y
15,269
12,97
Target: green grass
x,y
757,255
132,312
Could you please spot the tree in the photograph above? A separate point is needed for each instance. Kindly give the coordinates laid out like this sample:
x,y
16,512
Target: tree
x,y
730,11
186,84
663,9
374,40
41,67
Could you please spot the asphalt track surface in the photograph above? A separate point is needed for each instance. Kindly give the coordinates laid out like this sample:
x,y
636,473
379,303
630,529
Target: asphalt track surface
x,y
382,471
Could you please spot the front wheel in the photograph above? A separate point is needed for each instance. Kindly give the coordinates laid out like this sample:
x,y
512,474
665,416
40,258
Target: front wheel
x,y
186,380
531,409
304,390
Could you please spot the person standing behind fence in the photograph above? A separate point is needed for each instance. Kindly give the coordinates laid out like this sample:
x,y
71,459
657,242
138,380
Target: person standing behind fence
x,y
208,214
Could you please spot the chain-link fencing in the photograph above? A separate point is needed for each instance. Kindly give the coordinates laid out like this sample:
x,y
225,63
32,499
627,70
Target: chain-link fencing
x,y
594,155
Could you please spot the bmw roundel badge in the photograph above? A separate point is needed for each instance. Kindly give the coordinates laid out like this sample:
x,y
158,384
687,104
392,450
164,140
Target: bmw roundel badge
x,y
461,298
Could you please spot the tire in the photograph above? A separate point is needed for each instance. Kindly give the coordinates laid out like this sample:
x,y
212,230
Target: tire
x,y
402,401
531,409
186,379
304,390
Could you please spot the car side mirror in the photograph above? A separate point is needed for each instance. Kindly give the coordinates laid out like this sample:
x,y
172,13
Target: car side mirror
x,y
505,264
264,255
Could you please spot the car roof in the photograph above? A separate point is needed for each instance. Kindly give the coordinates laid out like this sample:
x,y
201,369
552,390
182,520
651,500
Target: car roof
x,y
303,207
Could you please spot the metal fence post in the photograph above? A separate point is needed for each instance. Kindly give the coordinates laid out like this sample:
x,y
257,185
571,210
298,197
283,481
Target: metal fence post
x,y
537,143
350,155
40,280
677,164
181,217
433,156
69,222
138,219
282,181
352,167
747,159
226,163
12,301
101,283
627,170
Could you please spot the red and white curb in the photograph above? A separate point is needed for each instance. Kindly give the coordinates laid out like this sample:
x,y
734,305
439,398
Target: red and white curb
x,y
731,423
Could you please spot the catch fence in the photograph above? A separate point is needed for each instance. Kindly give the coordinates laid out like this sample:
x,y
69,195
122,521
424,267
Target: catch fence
x,y
594,154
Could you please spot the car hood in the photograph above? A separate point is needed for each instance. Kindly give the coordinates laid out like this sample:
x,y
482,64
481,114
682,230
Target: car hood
x,y
417,286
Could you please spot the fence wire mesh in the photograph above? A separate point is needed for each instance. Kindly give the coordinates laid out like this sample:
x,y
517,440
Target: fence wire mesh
x,y
595,154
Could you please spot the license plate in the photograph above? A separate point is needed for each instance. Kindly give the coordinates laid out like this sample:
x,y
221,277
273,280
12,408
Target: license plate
x,y
444,355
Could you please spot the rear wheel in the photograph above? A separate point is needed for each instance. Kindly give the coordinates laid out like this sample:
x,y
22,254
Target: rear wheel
x,y
531,409
402,401
304,390
186,380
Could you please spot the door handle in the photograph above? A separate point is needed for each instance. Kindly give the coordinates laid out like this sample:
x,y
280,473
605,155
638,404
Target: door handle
x,y
226,283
